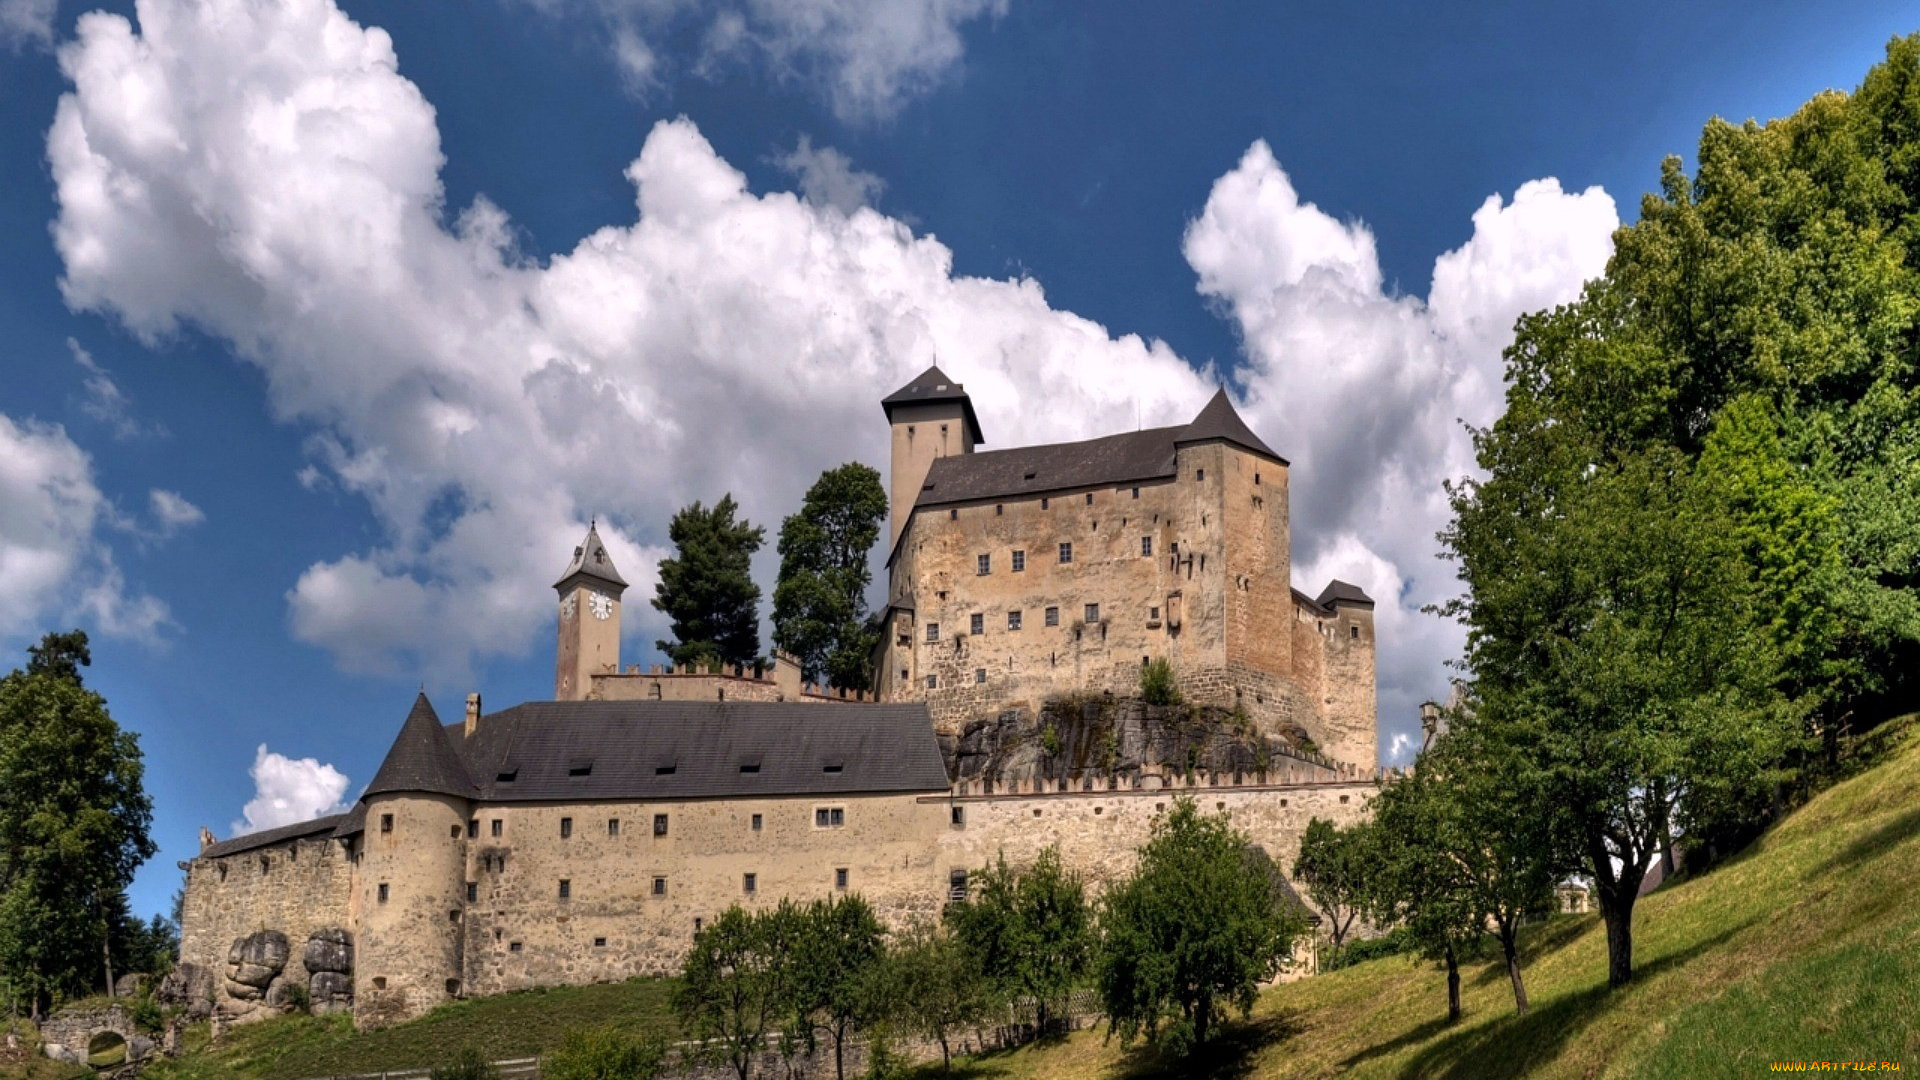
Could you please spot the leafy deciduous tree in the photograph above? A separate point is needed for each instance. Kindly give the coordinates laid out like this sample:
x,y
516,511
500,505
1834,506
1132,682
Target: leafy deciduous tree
x,y
1332,865
1030,929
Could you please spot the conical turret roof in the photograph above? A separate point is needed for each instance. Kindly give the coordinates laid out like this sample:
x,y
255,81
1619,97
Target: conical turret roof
x,y
1220,420
421,759
590,560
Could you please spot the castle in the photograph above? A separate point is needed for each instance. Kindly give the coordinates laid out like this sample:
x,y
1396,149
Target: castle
x,y
588,838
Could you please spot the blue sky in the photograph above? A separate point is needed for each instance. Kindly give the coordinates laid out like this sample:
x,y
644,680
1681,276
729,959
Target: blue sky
x,y
298,416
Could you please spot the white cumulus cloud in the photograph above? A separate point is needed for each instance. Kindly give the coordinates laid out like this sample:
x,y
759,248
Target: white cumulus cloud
x,y
827,177
27,22
53,565
172,512
287,791
485,405
1366,390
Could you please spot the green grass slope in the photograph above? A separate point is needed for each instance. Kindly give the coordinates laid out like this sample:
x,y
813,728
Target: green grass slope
x,y
1807,947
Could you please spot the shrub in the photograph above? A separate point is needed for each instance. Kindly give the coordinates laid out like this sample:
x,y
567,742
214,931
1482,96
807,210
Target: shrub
x,y
1050,741
1392,943
467,1064
1156,683
605,1054
145,1013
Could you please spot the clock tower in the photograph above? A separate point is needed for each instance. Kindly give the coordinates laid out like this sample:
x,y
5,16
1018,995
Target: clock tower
x,y
589,619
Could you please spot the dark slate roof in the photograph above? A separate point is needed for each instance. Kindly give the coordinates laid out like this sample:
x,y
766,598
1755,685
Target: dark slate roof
x,y
352,823
269,837
422,759
591,561
1220,420
623,745
1341,592
1110,460
930,386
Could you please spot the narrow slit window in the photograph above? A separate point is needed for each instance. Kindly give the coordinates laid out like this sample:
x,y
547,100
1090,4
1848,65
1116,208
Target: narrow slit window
x,y
566,828
659,824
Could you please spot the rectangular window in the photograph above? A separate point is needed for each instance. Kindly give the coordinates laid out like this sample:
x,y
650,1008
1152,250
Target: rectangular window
x,y
659,824
933,682
473,828
659,886
829,817
599,943
1089,498
566,827
613,826
979,674
566,889
933,632
1066,551
756,823
1043,503
953,515
1200,474
840,877
1153,614
383,892
1093,613
473,891
958,814
1013,620
1053,616
749,883
495,827
1146,545
977,624
513,946
957,886
1019,561
983,565
1136,493
386,822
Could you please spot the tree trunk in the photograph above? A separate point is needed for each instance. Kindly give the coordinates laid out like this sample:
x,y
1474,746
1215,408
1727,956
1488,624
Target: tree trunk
x,y
1619,919
946,1057
1510,946
839,1055
1453,986
1202,1015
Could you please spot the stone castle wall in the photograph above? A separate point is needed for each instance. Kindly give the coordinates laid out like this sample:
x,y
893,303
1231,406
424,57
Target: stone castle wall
x,y
296,888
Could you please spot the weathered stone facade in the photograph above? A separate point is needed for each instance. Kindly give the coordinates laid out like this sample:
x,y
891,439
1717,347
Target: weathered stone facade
x,y
1011,583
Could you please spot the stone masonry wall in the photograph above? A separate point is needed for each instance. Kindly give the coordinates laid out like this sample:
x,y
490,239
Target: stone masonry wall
x,y
295,888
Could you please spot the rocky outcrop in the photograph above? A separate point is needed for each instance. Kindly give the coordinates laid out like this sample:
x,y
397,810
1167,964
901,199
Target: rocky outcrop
x,y
1099,736
189,986
329,962
254,962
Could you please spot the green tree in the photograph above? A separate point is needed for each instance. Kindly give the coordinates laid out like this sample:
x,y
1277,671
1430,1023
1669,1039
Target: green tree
x,y
74,817
1201,923
1030,929
839,949
1416,884
1332,866
706,586
820,600
1614,647
935,985
730,989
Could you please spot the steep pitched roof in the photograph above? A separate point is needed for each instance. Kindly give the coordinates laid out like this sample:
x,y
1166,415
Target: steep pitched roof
x,y
1220,420
928,387
1129,457
422,759
270,837
1338,592
591,561
549,750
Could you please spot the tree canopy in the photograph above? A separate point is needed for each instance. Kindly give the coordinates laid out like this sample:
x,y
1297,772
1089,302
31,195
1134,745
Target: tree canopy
x,y
1203,921
820,600
74,819
1030,929
1333,866
706,586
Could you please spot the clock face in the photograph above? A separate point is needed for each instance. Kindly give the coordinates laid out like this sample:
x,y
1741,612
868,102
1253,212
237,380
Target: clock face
x,y
567,607
601,605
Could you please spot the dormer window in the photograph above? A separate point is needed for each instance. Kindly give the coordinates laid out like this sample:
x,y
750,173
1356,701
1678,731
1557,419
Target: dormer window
x,y
751,768
507,777
832,767
665,770
581,768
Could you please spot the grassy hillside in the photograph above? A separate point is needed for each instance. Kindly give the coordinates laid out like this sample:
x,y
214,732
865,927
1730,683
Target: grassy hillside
x,y
1806,947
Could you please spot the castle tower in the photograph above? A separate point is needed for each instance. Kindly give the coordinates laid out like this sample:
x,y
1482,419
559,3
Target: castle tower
x,y
589,619
409,954
932,417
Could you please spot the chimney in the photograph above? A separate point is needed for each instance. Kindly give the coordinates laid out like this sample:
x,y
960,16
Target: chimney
x,y
473,713
206,838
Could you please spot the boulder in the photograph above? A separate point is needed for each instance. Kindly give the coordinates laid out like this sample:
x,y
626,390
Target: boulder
x,y
329,991
61,1054
139,1048
264,948
255,975
244,991
329,949
129,985
283,994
